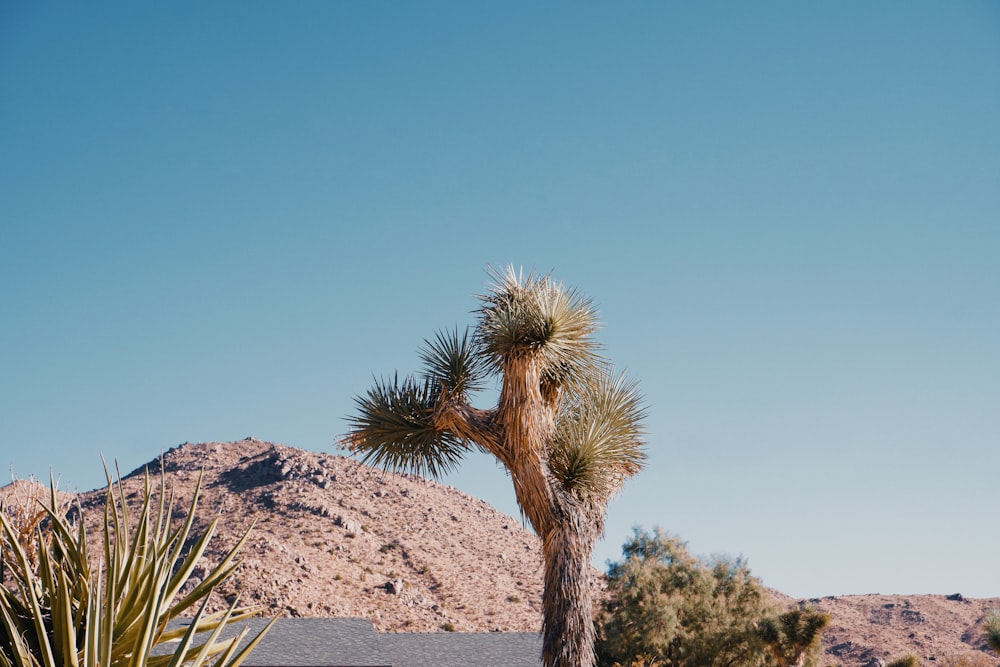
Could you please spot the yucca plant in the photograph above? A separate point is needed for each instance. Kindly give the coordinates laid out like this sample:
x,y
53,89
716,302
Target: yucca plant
x,y
907,660
566,427
991,626
793,638
59,612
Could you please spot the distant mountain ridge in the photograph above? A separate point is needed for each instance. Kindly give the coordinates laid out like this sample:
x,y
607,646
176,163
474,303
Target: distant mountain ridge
x,y
333,537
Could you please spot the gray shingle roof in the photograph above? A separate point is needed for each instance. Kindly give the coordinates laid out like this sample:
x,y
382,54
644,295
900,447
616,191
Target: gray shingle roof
x,y
314,642
464,649
319,642
353,642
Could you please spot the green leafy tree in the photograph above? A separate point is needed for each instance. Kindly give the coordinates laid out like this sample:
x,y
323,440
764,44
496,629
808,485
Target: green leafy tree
x,y
55,611
566,428
991,627
794,637
668,607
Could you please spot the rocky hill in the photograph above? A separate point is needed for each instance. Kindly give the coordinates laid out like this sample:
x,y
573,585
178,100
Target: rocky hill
x,y
870,630
332,537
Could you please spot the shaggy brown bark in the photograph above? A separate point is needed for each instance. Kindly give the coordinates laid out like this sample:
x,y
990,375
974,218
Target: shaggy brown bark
x,y
566,601
527,421
517,433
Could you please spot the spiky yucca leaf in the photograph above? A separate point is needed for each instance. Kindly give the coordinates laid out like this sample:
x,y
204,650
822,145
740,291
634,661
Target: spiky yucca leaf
x,y
61,615
508,318
991,625
569,322
193,648
453,362
525,314
599,436
394,429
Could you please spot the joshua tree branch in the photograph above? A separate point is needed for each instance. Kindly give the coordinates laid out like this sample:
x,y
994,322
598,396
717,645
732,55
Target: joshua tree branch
x,y
471,424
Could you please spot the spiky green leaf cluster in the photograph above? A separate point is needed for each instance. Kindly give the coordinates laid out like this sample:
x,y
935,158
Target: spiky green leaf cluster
x,y
61,614
991,626
598,441
452,363
793,634
394,428
529,314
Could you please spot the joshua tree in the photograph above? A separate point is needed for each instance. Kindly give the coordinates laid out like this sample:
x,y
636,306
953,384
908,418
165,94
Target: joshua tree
x,y
566,428
794,636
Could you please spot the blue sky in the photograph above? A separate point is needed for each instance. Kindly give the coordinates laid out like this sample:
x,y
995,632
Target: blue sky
x,y
221,220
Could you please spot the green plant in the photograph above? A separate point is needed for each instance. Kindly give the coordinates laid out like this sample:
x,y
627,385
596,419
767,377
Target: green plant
x,y
566,427
793,637
666,606
991,628
448,627
62,614
908,660
641,661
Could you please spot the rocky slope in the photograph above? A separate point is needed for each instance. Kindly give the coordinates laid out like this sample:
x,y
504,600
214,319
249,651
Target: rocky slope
x,y
940,630
332,537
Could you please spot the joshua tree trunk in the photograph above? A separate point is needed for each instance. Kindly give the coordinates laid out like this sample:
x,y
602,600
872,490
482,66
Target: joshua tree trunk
x,y
566,602
567,529
526,422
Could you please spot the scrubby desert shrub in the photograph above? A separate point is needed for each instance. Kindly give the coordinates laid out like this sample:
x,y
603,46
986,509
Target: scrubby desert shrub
x,y
24,507
908,660
991,627
666,606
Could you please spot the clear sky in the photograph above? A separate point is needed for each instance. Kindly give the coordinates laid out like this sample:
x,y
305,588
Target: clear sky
x,y
220,220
